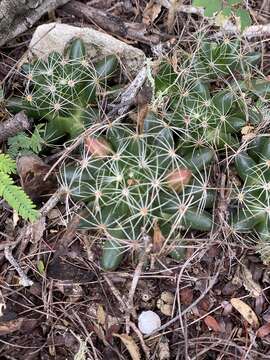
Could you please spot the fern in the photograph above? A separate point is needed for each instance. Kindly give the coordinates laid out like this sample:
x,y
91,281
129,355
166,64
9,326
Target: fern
x,y
7,165
24,144
13,194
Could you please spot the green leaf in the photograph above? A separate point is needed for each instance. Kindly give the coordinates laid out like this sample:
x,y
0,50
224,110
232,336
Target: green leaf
x,y
234,2
222,17
14,195
17,198
211,6
7,165
1,94
41,267
244,18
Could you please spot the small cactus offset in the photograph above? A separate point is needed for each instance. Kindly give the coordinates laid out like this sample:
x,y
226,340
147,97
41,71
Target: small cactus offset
x,y
63,90
135,184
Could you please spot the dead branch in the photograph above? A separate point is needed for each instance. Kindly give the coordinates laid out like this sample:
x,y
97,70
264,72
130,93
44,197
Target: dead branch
x,y
136,277
129,95
14,125
16,16
24,281
113,24
250,32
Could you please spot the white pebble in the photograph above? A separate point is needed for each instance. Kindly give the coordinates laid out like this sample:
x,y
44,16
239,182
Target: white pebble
x,y
148,322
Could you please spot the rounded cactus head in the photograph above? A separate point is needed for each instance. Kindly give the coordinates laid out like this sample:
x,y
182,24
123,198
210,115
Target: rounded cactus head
x,y
251,202
208,94
63,89
131,183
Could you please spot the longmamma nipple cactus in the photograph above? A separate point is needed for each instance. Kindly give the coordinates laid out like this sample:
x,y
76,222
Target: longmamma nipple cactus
x,y
135,184
252,201
63,90
205,95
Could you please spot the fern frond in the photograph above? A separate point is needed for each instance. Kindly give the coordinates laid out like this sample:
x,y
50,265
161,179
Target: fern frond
x,y
16,197
13,194
7,165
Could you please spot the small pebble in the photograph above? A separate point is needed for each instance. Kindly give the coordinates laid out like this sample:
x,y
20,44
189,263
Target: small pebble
x,y
148,322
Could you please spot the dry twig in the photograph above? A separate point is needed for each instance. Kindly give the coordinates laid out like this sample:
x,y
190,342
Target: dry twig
x,y
14,125
24,281
136,276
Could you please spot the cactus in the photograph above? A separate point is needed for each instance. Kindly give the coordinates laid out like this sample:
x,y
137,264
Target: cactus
x,y
204,113
252,201
62,90
135,183
155,180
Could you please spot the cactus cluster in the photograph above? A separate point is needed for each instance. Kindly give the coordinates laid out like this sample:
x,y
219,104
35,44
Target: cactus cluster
x,y
134,184
251,202
62,89
208,113
154,178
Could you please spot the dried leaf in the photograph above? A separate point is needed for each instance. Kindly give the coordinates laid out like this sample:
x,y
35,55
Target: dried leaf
x,y
246,311
163,349
130,344
174,4
32,171
247,129
264,330
10,326
186,296
165,308
212,323
101,315
248,282
151,12
158,239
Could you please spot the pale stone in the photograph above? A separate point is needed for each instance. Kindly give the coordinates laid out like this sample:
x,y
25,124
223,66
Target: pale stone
x,y
149,321
56,36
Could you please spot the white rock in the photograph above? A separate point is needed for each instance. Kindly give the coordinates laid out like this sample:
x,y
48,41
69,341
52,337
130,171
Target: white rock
x,y
148,322
56,36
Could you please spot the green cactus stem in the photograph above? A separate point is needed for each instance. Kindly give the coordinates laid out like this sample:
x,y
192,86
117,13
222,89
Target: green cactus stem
x,y
63,90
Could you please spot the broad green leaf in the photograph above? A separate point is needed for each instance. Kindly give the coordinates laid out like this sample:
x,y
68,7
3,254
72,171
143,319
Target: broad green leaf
x,y
211,6
234,2
244,19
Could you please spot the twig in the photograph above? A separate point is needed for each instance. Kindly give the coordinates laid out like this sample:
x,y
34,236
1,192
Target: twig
x,y
14,125
33,232
136,276
116,293
176,318
250,32
189,9
113,24
50,204
2,303
24,281
128,96
143,345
